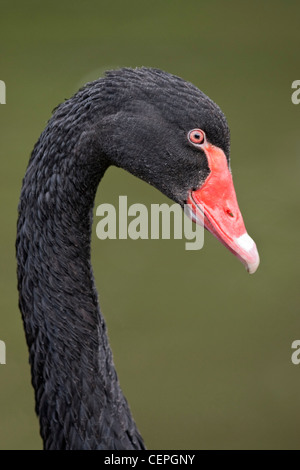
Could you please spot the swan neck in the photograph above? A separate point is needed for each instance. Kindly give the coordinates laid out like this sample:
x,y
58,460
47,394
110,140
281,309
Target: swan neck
x,y
78,397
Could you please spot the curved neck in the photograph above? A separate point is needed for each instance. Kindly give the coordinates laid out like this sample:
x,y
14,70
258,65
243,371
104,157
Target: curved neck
x,y
78,397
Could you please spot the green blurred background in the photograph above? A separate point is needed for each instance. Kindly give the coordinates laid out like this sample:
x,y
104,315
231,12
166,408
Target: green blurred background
x,y
202,349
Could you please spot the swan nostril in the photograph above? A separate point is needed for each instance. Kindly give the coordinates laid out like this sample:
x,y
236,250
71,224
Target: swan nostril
x,y
228,211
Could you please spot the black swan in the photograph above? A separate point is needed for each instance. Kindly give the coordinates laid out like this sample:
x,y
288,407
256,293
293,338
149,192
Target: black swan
x,y
161,129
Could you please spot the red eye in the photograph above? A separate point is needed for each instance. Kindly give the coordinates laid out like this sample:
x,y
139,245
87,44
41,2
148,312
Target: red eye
x,y
196,136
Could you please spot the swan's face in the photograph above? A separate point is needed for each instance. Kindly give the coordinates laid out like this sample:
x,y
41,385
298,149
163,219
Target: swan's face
x,y
153,142
168,133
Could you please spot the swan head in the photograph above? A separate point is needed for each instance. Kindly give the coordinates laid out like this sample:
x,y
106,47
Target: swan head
x,y
167,132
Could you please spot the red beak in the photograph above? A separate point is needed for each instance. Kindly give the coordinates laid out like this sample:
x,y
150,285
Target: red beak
x,y
215,206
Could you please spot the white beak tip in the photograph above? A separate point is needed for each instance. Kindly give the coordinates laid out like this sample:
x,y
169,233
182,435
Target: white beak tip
x,y
252,267
249,254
